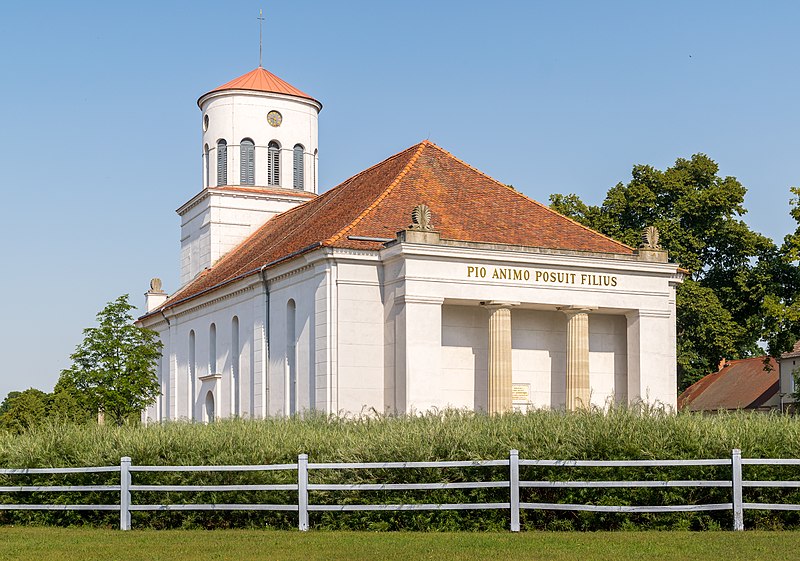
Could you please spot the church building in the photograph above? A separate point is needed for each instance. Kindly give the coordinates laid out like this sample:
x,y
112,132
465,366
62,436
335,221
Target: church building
x,y
419,283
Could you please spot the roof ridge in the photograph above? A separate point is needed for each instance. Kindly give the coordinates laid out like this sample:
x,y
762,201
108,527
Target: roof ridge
x,y
331,195
420,147
524,196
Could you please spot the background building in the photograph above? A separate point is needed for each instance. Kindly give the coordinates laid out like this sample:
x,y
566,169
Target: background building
x,y
750,383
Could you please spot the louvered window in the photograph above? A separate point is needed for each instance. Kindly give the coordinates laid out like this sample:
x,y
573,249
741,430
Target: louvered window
x,y
273,164
222,163
248,163
299,172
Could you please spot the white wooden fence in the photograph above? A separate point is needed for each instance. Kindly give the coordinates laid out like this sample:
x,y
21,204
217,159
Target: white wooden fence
x,y
302,487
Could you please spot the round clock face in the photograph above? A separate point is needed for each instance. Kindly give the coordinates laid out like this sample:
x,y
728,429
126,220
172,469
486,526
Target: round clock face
x,y
274,118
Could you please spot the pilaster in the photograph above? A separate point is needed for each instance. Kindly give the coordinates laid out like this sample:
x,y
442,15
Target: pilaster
x,y
418,351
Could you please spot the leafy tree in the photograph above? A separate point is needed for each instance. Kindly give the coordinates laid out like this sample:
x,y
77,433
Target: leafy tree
x,y
68,404
781,314
22,410
734,272
115,365
6,403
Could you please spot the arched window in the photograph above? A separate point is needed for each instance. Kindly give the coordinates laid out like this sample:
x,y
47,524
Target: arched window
x,y
207,167
291,359
273,164
299,170
192,373
222,163
248,163
212,349
235,384
314,171
210,413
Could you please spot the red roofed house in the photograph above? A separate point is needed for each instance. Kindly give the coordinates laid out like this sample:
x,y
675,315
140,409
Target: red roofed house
x,y
418,283
739,384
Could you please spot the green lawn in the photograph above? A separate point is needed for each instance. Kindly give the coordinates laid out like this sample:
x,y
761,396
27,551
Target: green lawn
x,y
65,544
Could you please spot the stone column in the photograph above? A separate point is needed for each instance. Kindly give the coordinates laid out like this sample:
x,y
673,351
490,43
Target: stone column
x,y
577,358
499,356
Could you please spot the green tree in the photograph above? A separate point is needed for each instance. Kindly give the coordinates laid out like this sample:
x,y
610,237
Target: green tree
x,y
732,269
68,404
781,317
115,365
22,410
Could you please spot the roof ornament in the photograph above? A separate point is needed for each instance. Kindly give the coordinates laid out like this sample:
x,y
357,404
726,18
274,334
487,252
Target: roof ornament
x,y
421,219
155,285
260,25
650,238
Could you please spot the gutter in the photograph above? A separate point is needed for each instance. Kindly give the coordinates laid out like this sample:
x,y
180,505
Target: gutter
x,y
265,349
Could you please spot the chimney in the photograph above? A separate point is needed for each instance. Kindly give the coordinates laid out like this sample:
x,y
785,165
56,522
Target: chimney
x,y
154,297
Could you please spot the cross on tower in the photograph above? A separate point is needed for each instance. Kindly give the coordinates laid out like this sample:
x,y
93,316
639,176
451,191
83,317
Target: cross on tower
x,y
260,25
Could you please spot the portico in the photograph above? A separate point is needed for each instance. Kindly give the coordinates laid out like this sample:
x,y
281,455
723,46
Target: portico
x,y
592,334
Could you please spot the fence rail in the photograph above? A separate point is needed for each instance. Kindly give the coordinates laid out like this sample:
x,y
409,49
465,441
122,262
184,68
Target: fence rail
x,y
303,487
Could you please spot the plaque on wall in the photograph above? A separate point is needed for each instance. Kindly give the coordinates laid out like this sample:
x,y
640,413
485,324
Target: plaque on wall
x,y
521,393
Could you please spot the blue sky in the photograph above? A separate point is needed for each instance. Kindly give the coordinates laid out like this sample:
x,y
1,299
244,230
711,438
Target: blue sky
x,y
102,133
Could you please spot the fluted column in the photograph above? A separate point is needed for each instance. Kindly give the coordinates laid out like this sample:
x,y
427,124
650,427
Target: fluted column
x,y
499,356
577,358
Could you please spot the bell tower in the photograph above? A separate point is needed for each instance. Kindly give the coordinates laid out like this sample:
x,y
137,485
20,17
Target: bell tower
x,y
259,158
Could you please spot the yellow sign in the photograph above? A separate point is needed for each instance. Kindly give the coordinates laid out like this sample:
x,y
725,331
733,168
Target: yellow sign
x,y
521,393
540,277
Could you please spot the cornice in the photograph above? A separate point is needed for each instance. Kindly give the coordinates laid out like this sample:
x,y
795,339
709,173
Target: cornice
x,y
215,94
529,256
291,273
212,301
251,193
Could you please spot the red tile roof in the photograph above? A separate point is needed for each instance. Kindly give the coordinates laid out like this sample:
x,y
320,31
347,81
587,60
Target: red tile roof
x,y
795,352
466,205
260,80
740,384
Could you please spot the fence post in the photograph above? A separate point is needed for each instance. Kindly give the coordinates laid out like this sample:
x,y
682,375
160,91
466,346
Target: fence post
x,y
125,493
736,482
513,466
302,492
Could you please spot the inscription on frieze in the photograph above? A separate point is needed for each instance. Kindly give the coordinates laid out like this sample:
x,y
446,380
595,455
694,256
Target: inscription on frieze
x,y
537,276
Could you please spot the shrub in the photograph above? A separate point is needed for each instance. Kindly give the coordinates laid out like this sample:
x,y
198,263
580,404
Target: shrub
x,y
618,434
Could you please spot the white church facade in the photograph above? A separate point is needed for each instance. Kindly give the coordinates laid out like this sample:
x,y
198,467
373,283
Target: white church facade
x,y
418,283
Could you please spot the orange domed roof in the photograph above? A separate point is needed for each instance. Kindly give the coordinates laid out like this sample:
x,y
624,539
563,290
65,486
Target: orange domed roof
x,y
261,80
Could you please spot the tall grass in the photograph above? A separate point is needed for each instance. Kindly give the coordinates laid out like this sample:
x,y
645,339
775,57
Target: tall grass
x,y
449,435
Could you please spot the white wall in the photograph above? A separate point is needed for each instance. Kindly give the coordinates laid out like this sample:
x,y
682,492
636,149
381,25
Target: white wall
x,y
406,333
787,366
178,401
360,342
217,221
465,358
301,288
